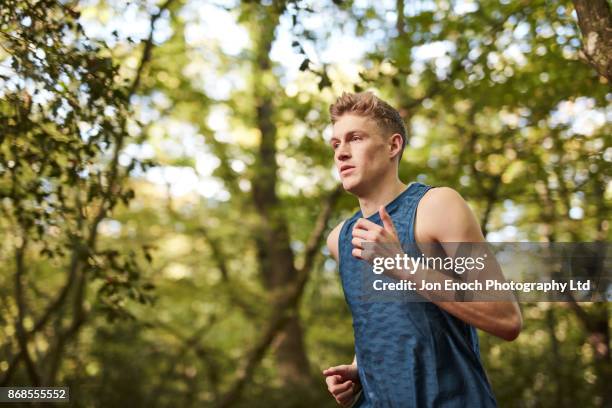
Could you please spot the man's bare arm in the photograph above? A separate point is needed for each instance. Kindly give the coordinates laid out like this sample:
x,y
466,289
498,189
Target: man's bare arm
x,y
332,241
444,217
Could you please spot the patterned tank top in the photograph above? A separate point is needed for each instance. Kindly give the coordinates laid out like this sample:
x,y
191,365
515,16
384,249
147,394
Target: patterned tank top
x,y
409,354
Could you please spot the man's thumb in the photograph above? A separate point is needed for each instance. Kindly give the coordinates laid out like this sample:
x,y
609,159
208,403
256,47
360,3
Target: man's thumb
x,y
338,370
386,220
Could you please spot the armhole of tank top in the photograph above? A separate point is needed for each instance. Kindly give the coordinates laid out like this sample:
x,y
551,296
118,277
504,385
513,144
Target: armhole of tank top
x,y
412,233
405,235
344,224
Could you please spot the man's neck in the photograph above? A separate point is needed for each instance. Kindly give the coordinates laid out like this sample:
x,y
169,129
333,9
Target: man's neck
x,y
382,194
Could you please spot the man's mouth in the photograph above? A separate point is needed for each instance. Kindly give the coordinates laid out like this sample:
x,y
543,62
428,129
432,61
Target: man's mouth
x,y
345,169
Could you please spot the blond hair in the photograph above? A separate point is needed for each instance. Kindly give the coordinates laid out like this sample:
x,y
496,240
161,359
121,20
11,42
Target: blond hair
x,y
369,105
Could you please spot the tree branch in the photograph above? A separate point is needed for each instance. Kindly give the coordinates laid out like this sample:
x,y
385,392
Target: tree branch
x,y
314,241
219,259
148,48
399,22
22,337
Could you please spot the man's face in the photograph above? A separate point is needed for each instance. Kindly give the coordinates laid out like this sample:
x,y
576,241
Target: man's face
x,y
361,152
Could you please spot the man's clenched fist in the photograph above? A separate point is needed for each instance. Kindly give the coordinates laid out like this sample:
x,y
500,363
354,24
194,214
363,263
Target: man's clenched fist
x,y
343,383
383,241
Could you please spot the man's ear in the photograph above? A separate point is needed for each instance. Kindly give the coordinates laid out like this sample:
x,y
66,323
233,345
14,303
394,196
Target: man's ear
x,y
395,144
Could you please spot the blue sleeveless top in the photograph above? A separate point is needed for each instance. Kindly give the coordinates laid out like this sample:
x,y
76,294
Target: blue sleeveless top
x,y
409,354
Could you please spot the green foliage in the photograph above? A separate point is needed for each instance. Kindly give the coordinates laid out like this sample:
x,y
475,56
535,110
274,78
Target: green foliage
x,y
64,115
90,232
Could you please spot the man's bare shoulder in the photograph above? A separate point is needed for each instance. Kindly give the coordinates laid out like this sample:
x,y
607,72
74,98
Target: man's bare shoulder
x,y
332,240
444,215
438,199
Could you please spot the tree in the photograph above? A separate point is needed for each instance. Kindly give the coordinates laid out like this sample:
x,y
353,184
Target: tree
x,y
64,122
595,20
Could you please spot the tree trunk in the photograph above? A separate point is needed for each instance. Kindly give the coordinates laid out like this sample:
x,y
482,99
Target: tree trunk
x,y
276,258
595,21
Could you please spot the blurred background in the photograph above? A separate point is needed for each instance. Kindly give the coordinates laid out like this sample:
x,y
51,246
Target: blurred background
x,y
166,185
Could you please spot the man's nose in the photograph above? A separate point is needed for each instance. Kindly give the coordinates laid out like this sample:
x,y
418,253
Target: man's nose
x,y
342,152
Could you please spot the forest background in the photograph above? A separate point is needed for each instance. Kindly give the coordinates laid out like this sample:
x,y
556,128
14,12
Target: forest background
x,y
166,185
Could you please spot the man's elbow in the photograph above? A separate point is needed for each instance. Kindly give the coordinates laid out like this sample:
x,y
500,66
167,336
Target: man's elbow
x,y
512,327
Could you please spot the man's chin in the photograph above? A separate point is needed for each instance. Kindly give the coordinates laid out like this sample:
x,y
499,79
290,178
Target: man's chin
x,y
351,186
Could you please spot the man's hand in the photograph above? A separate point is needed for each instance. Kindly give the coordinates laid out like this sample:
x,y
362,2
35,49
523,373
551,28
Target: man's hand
x,y
343,383
383,241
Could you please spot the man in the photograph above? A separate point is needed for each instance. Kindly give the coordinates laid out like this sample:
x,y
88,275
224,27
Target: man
x,y
407,354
